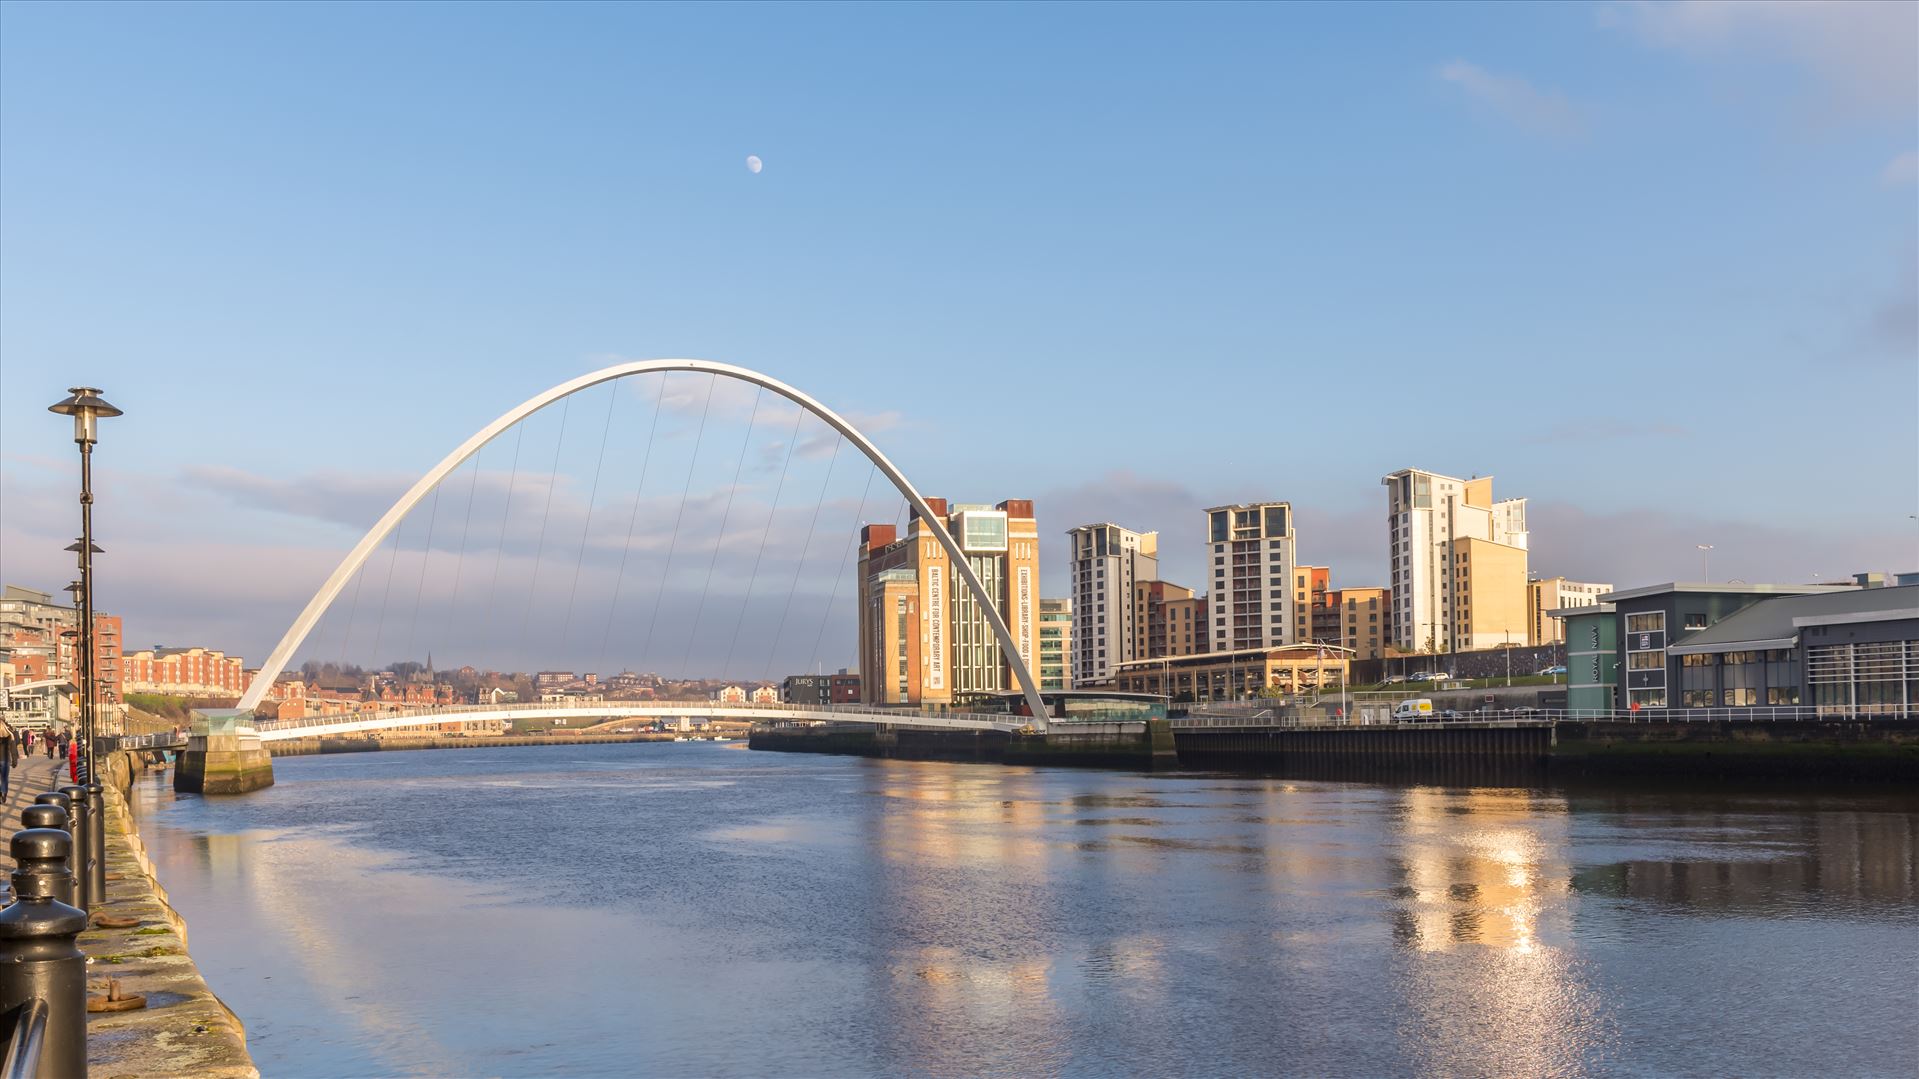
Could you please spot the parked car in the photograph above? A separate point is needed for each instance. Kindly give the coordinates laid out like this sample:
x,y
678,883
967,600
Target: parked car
x,y
1552,670
1393,680
1420,676
1451,714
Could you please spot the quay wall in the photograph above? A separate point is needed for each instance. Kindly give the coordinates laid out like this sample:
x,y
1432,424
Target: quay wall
x,y
1141,745
185,1029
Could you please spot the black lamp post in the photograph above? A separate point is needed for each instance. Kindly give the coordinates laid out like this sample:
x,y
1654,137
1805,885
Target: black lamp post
x,y
87,408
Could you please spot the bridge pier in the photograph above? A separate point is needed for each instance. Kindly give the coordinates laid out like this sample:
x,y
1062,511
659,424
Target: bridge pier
x,y
224,755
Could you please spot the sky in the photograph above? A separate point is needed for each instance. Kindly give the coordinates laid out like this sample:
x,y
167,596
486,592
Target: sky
x,y
1655,267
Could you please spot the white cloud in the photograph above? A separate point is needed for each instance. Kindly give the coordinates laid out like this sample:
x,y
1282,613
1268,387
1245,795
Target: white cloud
x,y
1901,170
1544,112
1862,52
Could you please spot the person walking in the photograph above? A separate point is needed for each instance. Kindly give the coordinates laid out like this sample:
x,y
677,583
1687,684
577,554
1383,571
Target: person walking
x,y
50,741
9,755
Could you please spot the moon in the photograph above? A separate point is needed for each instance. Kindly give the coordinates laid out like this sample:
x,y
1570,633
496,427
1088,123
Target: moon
x,y
753,163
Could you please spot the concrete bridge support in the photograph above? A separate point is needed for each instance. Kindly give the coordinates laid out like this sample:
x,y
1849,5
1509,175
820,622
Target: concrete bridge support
x,y
223,755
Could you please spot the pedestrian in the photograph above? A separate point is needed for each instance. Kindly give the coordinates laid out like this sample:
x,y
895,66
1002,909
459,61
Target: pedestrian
x,y
50,740
9,753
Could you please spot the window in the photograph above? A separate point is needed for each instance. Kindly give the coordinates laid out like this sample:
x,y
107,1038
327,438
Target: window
x,y
1646,661
1695,620
1646,623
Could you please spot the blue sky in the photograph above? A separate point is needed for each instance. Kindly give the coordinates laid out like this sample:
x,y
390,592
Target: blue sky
x,y
1651,265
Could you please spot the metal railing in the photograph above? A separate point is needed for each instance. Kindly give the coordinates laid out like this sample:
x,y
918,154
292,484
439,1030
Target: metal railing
x,y
1520,717
615,708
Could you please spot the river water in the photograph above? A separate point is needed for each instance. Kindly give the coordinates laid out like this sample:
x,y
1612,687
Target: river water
x,y
700,909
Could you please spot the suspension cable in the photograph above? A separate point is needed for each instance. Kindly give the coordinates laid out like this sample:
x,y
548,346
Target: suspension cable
x,y
674,543
800,567
453,601
506,515
753,577
619,578
846,551
726,516
552,484
606,428
413,622
385,593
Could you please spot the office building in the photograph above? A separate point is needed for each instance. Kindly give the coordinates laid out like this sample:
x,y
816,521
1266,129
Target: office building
x,y
1055,644
1842,651
840,688
1553,594
1107,561
1168,620
1238,675
923,640
1251,556
1458,563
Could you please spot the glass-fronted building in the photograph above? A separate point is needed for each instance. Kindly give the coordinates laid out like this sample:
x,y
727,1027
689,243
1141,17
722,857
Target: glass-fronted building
x,y
1844,650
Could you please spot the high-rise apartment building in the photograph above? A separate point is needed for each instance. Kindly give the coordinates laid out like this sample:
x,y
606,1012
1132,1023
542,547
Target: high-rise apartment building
x,y
1552,594
1458,563
37,633
1250,554
923,638
1358,618
1168,620
1309,592
1107,561
1055,643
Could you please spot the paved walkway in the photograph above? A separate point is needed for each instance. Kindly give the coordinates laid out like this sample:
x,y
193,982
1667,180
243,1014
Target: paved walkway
x,y
32,777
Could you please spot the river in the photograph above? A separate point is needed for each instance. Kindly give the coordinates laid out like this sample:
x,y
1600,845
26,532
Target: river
x,y
701,909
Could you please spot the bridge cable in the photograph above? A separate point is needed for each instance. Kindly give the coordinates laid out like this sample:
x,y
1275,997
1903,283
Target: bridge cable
x,y
800,566
393,559
753,577
453,601
846,550
619,578
606,428
546,512
659,594
413,623
353,612
726,516
506,514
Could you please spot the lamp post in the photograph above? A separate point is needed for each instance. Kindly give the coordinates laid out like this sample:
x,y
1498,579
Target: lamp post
x,y
1705,562
87,408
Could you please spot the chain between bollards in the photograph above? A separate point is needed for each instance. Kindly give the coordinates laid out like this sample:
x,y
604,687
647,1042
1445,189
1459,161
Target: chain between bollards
x,y
43,972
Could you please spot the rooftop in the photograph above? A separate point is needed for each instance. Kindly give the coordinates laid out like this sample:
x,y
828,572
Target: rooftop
x,y
1775,623
1729,588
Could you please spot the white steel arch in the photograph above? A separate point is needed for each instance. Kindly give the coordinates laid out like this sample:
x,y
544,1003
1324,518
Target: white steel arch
x,y
277,661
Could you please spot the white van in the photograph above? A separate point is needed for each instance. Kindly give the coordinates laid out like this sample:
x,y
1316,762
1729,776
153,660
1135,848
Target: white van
x,y
1417,710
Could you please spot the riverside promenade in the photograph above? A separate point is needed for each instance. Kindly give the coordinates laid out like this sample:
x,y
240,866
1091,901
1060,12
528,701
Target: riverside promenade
x,y
184,1029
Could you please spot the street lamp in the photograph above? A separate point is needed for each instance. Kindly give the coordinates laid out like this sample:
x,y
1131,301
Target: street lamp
x,y
87,408
1705,562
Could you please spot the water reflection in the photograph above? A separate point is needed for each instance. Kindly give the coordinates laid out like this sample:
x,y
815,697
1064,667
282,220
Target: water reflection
x,y
705,911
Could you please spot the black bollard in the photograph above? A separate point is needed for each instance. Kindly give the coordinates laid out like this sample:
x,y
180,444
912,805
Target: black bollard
x,y
75,820
97,843
48,815
43,972
83,821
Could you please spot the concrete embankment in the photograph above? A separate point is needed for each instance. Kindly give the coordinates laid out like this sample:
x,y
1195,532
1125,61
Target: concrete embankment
x,y
1140,745
184,1029
1880,750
